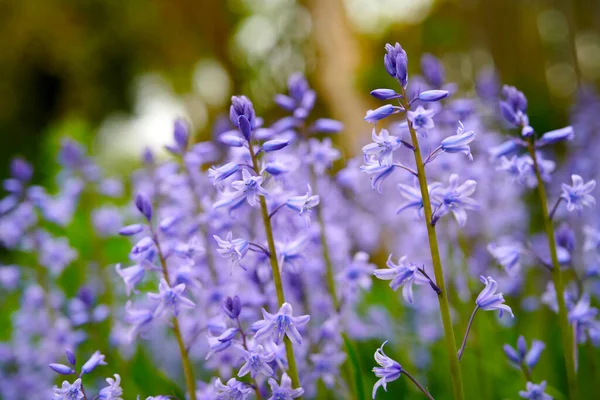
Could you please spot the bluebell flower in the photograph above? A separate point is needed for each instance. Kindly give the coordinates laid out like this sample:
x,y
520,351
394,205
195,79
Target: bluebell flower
x,y
242,115
170,298
233,390
383,147
275,327
433,95
322,154
94,361
373,116
249,188
131,230
592,238
459,143
489,300
134,274
303,203
142,245
68,391
140,319
396,63
556,136
503,149
223,172
21,170
61,369
232,139
507,255
357,275
326,125
583,312
421,119
289,252
514,108
223,341
455,198
274,145
232,306
144,205
433,70
257,362
55,254
327,366
403,274
388,371
233,249
535,392
113,391
578,195
385,94
523,355
379,172
284,390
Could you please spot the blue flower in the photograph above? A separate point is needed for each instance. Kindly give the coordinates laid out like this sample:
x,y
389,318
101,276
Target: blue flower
x,y
284,391
94,361
421,119
134,274
507,255
327,365
275,327
233,390
113,391
514,108
388,371
413,195
522,355
455,198
223,172
489,300
459,143
140,319
170,298
396,63
578,195
373,116
242,115
303,203
383,147
68,391
432,70
433,95
322,154
234,249
247,189
556,136
535,392
403,274
257,362
379,172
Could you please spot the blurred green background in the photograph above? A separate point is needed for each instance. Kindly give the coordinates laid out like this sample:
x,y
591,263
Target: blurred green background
x,y
114,74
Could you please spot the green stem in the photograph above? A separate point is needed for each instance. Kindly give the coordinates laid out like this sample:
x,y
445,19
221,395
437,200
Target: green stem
x,y
289,350
348,345
450,340
185,360
417,384
557,278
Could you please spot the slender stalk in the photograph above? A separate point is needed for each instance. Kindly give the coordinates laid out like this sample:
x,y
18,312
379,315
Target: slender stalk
x,y
526,372
417,384
565,330
464,342
185,360
555,208
289,350
450,340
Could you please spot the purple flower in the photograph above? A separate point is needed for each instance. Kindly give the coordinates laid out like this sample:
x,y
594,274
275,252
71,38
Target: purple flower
x,y
113,391
170,298
489,300
459,143
242,116
388,371
274,145
233,249
139,318
134,274
373,116
385,94
556,136
396,63
403,274
232,307
383,147
275,327
21,170
68,391
322,154
529,357
535,392
144,205
421,119
578,195
326,125
233,390
432,70
303,203
379,172
284,390
433,95
257,362
248,188
95,360
455,198
413,195
507,255
223,172
61,369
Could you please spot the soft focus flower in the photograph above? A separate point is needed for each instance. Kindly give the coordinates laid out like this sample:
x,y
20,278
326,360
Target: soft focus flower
x,y
68,391
170,298
284,390
383,146
275,327
257,362
535,392
113,391
455,198
421,119
507,255
523,355
459,143
233,249
403,274
489,300
233,390
578,195
388,371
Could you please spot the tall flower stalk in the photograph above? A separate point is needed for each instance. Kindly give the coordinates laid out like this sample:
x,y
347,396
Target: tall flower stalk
x,y
565,329
449,337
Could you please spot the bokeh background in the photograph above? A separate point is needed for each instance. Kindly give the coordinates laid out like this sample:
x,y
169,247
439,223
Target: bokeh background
x,y
114,74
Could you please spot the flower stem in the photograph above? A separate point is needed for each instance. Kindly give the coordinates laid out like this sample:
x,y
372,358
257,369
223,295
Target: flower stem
x,y
245,343
417,384
450,340
289,350
557,278
185,360
464,342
